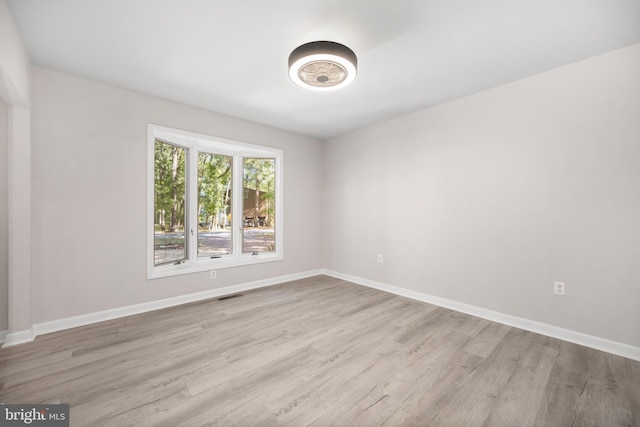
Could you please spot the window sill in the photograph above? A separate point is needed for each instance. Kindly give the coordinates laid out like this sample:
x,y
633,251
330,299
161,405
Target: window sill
x,y
208,264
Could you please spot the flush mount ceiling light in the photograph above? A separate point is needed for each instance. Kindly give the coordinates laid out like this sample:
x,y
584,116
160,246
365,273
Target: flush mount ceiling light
x,y
322,65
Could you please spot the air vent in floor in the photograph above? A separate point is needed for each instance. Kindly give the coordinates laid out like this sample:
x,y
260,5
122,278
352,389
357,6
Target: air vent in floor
x,y
229,297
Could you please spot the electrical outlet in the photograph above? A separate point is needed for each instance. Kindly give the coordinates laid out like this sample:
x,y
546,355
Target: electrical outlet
x,y
213,274
558,288
380,259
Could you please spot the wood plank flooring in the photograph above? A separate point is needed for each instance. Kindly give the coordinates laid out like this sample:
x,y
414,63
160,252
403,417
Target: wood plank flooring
x,y
319,352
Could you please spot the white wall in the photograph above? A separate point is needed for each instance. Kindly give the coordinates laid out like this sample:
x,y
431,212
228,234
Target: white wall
x,y
15,64
89,196
489,199
15,89
4,218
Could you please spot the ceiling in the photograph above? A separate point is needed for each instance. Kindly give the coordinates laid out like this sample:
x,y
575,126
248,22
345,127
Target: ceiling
x,y
231,56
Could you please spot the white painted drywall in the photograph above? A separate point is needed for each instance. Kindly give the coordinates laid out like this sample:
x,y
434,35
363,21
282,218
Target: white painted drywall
x,y
4,217
489,199
15,89
15,64
89,146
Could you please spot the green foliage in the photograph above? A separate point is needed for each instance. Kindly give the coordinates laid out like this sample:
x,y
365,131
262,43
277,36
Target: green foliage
x,y
169,186
259,174
214,185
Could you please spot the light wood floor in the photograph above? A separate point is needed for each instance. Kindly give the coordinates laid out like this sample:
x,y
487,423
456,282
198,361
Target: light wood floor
x,y
319,352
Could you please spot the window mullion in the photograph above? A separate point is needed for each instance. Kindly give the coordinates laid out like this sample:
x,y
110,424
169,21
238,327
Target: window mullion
x,y
192,204
238,202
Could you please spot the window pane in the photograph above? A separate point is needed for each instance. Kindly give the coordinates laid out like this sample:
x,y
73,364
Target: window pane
x,y
258,232
214,204
169,203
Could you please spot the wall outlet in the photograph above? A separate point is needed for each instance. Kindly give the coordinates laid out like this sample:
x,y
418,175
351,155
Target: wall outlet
x,y
558,288
213,274
380,259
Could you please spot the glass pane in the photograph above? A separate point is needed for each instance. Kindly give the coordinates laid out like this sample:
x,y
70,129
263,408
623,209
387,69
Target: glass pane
x,y
214,204
258,231
169,203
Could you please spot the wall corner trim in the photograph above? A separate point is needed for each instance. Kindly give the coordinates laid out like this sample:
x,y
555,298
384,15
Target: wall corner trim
x,y
602,344
101,316
20,337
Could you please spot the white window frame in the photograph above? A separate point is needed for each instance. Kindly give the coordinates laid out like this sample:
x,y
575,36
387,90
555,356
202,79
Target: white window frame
x,y
194,143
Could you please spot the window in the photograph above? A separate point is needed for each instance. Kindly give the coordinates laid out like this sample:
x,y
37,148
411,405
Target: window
x,y
258,234
212,203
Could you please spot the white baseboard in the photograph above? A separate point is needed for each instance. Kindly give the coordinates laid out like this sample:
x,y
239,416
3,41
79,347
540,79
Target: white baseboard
x,y
100,316
614,347
20,337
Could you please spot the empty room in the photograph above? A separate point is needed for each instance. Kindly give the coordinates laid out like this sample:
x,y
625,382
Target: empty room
x,y
344,213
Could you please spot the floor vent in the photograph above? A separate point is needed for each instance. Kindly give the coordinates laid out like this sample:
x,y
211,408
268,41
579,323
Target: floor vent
x,y
229,297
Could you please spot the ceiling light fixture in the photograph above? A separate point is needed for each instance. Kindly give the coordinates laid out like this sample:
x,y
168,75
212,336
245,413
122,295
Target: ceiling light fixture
x,y
322,65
